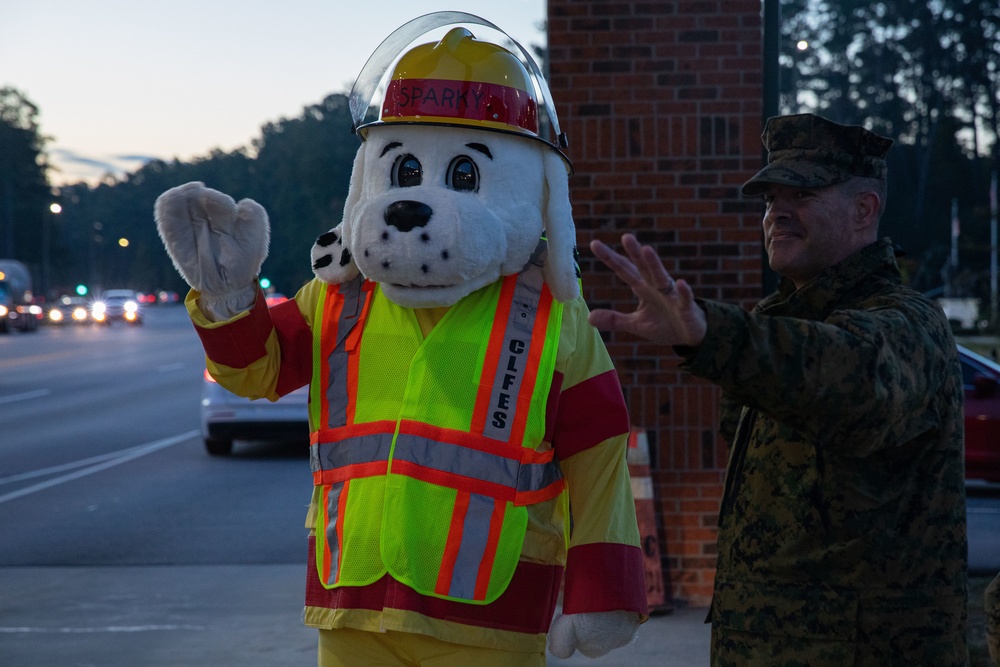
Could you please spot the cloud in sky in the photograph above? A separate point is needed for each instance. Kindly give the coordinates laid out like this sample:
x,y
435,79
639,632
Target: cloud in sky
x,y
179,79
72,167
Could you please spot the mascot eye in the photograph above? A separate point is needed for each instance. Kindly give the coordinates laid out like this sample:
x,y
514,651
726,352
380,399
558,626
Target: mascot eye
x,y
406,172
463,175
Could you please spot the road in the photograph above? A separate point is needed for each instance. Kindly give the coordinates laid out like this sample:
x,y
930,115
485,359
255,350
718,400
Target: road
x,y
123,543
983,516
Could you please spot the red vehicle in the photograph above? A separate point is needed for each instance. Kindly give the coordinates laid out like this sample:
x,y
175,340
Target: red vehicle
x,y
981,377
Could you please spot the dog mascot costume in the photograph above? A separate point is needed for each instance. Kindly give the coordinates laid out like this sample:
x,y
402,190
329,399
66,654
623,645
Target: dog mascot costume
x,y
468,428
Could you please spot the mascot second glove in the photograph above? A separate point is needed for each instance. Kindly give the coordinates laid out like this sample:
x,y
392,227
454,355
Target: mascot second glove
x,y
216,245
593,634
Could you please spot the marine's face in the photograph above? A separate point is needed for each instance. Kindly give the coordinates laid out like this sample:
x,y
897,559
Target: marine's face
x,y
807,230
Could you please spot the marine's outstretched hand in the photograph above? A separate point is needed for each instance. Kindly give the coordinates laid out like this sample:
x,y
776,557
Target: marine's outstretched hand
x,y
667,312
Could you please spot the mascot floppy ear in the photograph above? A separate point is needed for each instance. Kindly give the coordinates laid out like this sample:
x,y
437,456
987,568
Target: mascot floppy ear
x,y
332,261
561,272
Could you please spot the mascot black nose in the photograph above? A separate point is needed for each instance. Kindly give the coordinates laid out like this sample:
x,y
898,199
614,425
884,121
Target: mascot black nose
x,y
407,215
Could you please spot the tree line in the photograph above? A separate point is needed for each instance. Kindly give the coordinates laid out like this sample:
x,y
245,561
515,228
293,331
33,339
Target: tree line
x,y
927,73
298,169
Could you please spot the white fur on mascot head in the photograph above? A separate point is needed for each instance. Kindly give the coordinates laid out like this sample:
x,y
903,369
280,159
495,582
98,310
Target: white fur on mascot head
x,y
442,205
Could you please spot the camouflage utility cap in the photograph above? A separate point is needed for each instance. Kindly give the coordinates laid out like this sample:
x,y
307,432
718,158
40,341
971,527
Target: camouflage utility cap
x,y
808,151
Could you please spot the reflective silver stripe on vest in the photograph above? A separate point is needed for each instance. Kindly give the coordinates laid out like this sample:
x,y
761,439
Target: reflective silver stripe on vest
x,y
475,534
515,348
443,456
332,541
475,464
350,451
337,394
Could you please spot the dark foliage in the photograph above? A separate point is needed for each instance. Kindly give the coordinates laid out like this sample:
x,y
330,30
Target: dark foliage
x,y
298,169
24,189
927,73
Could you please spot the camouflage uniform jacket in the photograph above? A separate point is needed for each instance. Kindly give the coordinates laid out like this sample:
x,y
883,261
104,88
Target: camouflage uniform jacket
x,y
991,607
842,524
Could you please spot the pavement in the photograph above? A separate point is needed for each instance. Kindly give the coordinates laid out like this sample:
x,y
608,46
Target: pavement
x,y
246,615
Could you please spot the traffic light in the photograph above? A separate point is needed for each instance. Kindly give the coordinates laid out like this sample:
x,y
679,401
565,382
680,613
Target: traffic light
x,y
81,289
265,283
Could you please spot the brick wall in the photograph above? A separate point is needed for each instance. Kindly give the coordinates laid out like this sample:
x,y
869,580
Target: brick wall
x,y
662,105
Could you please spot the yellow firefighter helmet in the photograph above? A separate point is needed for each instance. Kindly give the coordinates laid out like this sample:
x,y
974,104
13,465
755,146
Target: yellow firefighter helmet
x,y
459,80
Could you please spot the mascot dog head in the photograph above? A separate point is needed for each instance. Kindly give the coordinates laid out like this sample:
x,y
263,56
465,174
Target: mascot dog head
x,y
453,188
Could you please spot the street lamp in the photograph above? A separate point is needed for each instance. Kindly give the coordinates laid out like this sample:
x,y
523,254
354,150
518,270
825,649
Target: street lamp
x,y
95,240
54,209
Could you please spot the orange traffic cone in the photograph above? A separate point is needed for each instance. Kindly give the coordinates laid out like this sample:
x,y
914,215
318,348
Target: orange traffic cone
x,y
637,457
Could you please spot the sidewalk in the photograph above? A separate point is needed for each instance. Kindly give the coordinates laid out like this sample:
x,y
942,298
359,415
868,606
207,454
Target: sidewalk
x,y
247,615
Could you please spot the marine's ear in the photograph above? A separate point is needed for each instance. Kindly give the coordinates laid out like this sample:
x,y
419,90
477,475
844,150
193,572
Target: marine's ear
x,y
561,271
332,258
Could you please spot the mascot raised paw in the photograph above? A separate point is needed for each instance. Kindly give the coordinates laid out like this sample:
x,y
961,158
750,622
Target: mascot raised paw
x,y
468,429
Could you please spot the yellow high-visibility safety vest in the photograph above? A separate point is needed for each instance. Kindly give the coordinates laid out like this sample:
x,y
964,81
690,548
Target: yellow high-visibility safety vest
x,y
426,449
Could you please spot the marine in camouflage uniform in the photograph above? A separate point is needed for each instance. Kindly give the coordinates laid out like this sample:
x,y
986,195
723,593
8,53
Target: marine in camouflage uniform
x,y
842,526
842,535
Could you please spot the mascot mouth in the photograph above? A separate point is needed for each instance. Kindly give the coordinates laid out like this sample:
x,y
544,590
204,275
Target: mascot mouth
x,y
419,287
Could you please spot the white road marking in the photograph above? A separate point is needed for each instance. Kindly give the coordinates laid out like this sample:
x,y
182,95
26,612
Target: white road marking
x,y
110,628
26,396
170,367
106,462
72,465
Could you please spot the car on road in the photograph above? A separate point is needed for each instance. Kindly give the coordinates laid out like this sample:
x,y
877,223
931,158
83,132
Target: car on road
x,y
69,310
117,305
226,417
981,378
167,296
18,309
274,298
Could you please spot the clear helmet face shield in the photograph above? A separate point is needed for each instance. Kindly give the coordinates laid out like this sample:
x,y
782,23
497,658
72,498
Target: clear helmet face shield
x,y
402,81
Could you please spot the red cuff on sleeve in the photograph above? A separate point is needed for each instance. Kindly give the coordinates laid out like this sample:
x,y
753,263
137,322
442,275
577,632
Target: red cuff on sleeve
x,y
604,577
239,343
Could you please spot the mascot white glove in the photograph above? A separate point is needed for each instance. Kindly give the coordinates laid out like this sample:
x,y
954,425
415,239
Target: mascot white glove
x,y
592,634
216,245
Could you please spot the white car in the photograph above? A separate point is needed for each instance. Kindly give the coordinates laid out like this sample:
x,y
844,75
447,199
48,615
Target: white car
x,y
226,417
117,304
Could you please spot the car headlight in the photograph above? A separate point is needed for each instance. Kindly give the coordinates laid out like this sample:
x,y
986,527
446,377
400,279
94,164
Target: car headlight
x,y
55,315
131,306
98,308
80,314
3,311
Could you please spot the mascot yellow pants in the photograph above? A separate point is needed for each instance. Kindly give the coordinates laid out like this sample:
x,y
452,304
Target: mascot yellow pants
x,y
346,647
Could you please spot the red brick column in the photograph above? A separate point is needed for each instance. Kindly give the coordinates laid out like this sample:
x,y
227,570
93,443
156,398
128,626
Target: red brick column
x,y
662,105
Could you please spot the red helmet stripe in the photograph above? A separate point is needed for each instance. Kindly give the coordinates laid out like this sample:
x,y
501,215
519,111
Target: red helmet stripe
x,y
460,100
